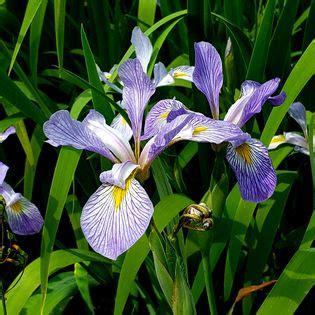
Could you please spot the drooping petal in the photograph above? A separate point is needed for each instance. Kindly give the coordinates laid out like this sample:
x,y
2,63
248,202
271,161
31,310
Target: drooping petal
x,y
3,172
290,138
253,169
137,91
23,216
120,124
207,75
114,218
193,127
276,141
161,113
4,135
253,96
298,113
161,76
183,73
143,47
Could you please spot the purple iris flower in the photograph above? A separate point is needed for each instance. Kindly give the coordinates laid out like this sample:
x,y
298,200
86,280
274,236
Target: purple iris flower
x,y
300,142
248,157
119,212
23,216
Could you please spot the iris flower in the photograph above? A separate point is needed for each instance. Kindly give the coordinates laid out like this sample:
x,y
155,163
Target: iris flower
x,y
248,157
120,210
23,216
297,112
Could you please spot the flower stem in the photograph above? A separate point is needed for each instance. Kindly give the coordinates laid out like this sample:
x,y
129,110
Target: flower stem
x,y
209,283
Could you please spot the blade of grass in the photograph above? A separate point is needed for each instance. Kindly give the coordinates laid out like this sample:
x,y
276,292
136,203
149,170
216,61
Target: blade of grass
x,y
146,13
60,14
257,64
30,12
299,76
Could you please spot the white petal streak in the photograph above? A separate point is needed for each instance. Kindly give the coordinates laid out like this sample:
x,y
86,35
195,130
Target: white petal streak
x,y
112,221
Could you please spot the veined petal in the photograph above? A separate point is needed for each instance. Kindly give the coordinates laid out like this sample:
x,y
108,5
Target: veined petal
x,y
162,113
298,113
23,216
291,138
194,127
114,218
137,91
4,135
253,169
3,172
61,129
207,75
115,141
253,96
183,73
119,173
161,76
120,124
143,47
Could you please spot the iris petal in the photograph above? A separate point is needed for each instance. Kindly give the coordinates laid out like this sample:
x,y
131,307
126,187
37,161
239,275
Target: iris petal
x,y
183,73
3,172
208,76
253,96
23,216
161,76
298,113
114,218
4,135
137,91
120,124
143,47
253,169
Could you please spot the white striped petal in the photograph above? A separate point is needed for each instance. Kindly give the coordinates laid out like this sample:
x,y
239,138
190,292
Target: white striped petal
x,y
183,73
4,135
114,218
3,172
120,124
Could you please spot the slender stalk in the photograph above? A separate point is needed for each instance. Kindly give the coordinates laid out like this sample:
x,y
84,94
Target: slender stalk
x,y
209,283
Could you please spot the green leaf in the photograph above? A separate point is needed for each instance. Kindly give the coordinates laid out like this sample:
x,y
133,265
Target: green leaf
x,y
182,299
98,100
299,76
258,60
61,287
293,285
63,176
30,12
35,37
136,255
22,288
146,13
309,29
13,95
60,15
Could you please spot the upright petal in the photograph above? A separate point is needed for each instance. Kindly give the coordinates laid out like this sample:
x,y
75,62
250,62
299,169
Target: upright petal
x,y
183,73
298,113
253,96
253,169
143,47
23,216
161,76
114,218
4,135
3,172
207,75
161,113
120,124
137,91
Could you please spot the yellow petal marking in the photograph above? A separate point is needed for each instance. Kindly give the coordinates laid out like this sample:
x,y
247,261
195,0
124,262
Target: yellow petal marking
x,y
244,152
119,193
277,139
164,115
179,74
198,130
123,121
17,207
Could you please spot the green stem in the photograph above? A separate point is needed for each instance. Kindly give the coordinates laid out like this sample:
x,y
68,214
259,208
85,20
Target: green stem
x,y
209,283
3,298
